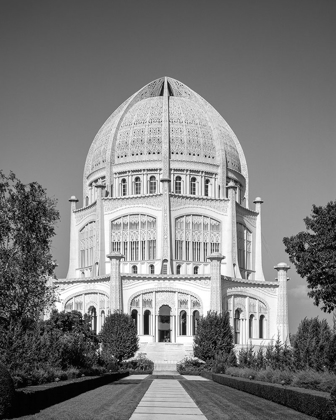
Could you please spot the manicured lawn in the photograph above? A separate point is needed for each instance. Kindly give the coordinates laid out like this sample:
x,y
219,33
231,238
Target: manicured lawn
x,y
115,401
221,402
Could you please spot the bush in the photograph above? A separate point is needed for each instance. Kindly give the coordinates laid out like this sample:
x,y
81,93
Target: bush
x,y
213,337
141,363
7,392
190,366
119,338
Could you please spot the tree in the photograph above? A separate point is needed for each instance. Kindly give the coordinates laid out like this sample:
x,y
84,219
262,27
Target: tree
x,y
313,253
119,337
214,336
27,225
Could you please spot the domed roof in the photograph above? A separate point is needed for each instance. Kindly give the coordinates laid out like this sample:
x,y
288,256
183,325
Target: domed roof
x,y
133,133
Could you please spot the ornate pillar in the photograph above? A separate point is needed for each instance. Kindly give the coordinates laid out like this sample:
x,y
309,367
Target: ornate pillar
x,y
165,180
100,233
216,297
156,328
116,302
282,310
232,260
259,274
73,255
142,319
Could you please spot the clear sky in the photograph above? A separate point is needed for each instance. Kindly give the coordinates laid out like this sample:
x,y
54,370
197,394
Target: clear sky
x,y
268,67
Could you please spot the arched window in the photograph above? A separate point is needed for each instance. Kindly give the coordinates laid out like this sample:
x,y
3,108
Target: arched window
x,y
146,322
93,314
151,269
178,269
134,269
137,185
237,326
152,185
207,187
195,270
165,267
195,322
183,323
86,200
261,326
102,318
123,187
178,185
193,186
134,315
251,320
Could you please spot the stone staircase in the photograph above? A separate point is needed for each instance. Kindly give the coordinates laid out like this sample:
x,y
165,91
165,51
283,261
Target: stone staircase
x,y
165,355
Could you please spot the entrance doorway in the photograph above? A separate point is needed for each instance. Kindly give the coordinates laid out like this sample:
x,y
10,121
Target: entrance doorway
x,y
164,324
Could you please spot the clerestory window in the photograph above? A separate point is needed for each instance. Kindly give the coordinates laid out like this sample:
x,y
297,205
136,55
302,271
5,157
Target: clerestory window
x,y
137,186
152,185
178,185
193,186
123,187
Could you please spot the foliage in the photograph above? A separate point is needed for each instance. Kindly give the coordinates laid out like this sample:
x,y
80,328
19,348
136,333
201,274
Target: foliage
x,y
7,393
190,366
313,253
314,345
119,338
139,364
27,225
213,337
309,379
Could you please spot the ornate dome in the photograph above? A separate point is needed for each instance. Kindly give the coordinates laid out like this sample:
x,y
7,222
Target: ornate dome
x,y
133,133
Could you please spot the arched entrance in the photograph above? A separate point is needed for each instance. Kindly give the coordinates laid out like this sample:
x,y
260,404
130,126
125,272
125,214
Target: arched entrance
x,y
164,324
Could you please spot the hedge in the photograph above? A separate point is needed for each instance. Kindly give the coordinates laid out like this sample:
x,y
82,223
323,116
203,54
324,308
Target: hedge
x,y
312,403
35,398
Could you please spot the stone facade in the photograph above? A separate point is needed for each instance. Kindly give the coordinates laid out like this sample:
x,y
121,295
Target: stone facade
x,y
165,232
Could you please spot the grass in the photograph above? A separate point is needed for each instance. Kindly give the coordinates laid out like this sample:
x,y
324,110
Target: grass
x,y
221,402
115,401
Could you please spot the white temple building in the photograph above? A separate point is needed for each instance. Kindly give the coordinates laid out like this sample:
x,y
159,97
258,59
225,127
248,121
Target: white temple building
x,y
165,232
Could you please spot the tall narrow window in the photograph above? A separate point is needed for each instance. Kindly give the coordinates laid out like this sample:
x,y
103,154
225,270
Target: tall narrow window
x,y
134,316
178,269
261,326
146,322
178,185
152,185
195,270
123,187
86,200
195,322
102,318
137,185
151,269
93,314
251,320
87,240
193,186
237,327
135,269
183,323
207,188
165,267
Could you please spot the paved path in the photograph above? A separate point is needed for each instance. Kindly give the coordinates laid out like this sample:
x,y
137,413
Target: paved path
x,y
166,399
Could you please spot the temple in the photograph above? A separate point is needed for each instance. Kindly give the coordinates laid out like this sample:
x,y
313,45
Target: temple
x,y
166,232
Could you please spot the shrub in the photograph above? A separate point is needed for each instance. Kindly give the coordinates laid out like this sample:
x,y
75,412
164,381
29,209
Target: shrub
x,y
119,338
7,392
190,365
141,363
214,336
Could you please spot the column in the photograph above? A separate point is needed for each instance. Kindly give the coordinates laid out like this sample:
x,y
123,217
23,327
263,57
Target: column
x,y
189,315
116,303
282,309
216,282
98,315
73,256
172,332
259,274
247,305
156,328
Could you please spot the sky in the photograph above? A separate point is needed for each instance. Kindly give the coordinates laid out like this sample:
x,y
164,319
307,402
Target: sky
x,y
268,67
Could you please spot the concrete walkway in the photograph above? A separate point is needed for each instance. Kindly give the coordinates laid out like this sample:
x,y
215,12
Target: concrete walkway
x,y
166,399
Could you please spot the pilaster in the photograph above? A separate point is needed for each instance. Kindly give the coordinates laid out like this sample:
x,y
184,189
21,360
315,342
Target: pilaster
x,y
259,274
282,309
216,296
73,254
116,301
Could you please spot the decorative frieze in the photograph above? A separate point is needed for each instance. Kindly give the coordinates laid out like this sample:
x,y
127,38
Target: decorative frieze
x,y
152,200
219,205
